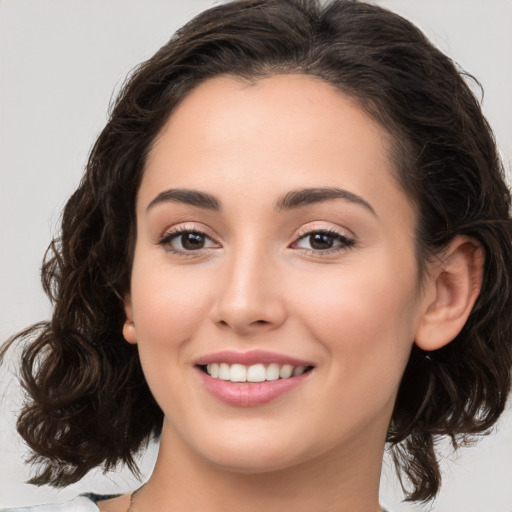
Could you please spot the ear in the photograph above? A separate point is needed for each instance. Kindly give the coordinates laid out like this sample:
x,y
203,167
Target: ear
x,y
129,325
455,282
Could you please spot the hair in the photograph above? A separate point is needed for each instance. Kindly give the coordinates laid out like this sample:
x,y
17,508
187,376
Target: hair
x,y
88,402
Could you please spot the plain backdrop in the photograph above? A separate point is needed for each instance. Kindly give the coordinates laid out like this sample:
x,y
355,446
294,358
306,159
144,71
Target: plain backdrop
x,y
60,61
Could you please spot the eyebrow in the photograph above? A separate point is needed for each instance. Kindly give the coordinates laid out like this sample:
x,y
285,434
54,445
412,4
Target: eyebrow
x,y
191,197
291,200
308,196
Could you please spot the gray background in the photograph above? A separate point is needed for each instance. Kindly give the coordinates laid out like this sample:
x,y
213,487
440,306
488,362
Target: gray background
x,y
60,60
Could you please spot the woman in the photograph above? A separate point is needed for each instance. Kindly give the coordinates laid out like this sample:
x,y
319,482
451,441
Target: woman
x,y
290,246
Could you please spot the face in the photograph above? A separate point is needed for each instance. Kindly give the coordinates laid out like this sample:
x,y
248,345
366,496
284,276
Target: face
x,y
274,245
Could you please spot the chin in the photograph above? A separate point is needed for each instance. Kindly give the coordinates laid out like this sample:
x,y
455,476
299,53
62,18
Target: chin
x,y
255,461
257,450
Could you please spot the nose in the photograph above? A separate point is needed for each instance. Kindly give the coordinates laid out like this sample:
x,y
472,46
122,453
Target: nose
x,y
249,298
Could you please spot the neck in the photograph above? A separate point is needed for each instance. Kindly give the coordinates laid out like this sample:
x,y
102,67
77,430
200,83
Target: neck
x,y
344,480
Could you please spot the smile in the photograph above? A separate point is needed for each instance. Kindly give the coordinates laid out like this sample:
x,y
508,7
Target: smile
x,y
254,378
253,373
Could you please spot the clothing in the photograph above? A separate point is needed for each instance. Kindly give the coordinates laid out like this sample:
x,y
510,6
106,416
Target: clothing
x,y
79,504
84,503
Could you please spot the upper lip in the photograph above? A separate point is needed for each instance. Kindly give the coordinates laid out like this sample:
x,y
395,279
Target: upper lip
x,y
250,357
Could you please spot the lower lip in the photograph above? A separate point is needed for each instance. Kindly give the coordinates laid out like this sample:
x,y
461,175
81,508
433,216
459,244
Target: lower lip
x,y
250,394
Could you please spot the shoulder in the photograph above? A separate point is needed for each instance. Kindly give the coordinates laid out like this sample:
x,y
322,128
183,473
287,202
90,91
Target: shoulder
x,y
79,504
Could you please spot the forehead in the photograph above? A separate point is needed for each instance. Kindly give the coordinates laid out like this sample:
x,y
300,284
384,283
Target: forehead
x,y
271,135
290,109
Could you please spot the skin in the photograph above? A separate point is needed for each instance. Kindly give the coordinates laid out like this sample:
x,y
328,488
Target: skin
x,y
354,311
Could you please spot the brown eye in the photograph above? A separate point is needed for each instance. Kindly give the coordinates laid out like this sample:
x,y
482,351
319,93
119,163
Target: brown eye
x,y
321,241
187,241
192,241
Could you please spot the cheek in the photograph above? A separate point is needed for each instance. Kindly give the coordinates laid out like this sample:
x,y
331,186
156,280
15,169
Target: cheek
x,y
365,317
167,303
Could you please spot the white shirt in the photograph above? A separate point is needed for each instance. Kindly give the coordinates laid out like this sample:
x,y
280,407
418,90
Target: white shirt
x,y
79,504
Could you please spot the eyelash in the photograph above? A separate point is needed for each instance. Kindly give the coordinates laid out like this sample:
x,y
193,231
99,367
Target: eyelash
x,y
345,242
169,236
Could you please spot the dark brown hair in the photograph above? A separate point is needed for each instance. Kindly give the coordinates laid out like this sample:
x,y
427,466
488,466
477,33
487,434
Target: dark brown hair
x,y
89,404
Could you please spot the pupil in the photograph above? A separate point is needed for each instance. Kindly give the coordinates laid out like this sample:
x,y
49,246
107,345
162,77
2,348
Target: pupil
x,y
192,241
321,241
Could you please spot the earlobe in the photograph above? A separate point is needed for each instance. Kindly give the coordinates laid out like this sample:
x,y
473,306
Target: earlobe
x,y
129,325
456,281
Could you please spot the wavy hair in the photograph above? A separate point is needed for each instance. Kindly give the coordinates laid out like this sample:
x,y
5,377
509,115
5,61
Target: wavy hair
x,y
89,404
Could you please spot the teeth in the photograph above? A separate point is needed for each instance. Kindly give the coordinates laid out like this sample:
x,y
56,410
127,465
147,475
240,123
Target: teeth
x,y
213,370
254,373
286,371
238,373
299,370
273,371
224,371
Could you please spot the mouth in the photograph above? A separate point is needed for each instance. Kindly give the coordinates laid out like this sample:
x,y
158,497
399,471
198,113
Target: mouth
x,y
254,373
253,378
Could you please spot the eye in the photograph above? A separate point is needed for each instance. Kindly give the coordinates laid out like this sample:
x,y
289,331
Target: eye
x,y
186,241
323,241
